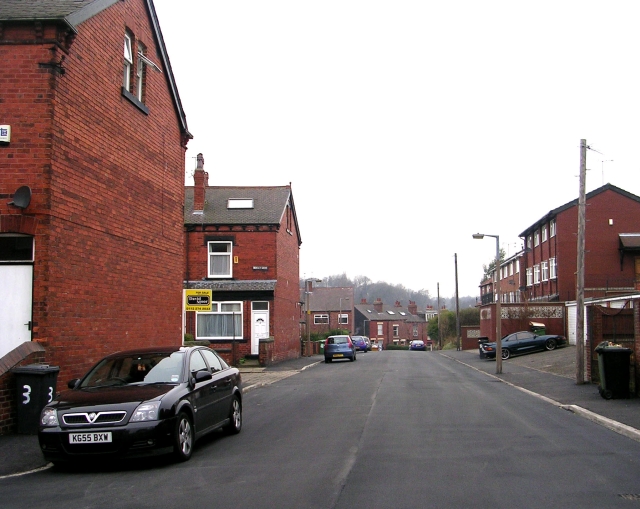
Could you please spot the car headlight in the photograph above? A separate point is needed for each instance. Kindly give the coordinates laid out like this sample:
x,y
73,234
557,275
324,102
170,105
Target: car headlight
x,y
146,412
49,417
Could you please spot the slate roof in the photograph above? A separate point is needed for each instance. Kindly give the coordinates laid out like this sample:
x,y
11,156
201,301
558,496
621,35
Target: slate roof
x,y
328,298
73,13
269,206
574,203
388,314
258,285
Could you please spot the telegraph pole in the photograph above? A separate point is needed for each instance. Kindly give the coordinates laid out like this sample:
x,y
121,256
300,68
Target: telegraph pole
x,y
459,346
580,272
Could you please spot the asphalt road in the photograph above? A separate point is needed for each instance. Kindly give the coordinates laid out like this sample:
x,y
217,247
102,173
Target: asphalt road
x,y
391,430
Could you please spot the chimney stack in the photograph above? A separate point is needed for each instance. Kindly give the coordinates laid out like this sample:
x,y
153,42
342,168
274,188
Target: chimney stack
x,y
412,307
200,183
377,305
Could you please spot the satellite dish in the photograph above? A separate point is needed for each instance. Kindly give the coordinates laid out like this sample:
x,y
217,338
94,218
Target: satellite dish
x,y
22,197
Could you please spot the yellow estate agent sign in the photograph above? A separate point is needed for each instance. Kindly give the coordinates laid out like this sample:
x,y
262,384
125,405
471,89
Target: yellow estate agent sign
x,y
197,300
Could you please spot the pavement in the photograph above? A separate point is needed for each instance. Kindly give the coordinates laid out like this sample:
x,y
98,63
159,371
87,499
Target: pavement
x,y
550,376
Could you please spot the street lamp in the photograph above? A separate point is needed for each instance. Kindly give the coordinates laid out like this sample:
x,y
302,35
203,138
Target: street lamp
x,y
478,236
307,292
340,312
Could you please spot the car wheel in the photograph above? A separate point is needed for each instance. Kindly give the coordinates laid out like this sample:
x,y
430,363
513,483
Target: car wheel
x,y
505,353
235,417
550,344
183,438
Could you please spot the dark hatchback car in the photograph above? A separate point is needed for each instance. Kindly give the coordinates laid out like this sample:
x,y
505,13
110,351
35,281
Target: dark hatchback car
x,y
360,343
339,347
142,402
418,344
520,343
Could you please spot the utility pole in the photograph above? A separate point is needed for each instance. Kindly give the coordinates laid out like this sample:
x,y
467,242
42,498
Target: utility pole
x,y
439,331
459,346
580,272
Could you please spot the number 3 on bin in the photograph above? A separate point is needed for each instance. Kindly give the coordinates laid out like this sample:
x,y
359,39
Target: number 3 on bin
x,y
26,394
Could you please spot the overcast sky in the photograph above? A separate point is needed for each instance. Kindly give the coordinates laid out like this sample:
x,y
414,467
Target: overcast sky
x,y
406,126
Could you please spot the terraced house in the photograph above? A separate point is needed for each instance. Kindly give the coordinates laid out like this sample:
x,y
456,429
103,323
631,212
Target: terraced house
x,y
92,149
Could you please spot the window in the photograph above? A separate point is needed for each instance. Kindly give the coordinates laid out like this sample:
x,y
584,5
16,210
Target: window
x,y
415,331
141,73
223,322
240,203
517,266
545,271
213,360
396,331
220,259
536,238
128,63
552,228
529,276
544,233
511,269
379,329
552,268
320,319
343,319
196,363
529,241
536,274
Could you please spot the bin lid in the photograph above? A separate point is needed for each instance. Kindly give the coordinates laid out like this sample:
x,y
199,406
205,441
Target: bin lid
x,y
608,346
35,369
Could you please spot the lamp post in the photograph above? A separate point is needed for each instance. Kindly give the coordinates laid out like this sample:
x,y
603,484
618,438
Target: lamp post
x,y
498,308
340,312
307,292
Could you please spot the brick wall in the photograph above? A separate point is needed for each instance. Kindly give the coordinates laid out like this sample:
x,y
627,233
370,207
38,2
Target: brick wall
x,y
107,182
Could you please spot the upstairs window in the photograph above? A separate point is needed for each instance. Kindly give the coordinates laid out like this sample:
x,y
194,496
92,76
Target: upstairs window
x,y
220,259
320,319
128,63
141,73
343,319
536,238
545,271
544,233
552,228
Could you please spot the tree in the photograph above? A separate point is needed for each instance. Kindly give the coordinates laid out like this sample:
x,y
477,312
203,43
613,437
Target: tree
x,y
489,269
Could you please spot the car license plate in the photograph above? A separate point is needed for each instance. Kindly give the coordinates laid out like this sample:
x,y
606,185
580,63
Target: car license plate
x,y
89,438
338,355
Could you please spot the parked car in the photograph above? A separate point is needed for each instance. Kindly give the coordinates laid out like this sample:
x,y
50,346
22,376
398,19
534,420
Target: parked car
x,y
368,343
339,347
520,343
417,344
360,343
143,402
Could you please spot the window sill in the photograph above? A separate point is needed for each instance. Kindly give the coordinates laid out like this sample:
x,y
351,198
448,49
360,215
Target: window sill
x,y
134,100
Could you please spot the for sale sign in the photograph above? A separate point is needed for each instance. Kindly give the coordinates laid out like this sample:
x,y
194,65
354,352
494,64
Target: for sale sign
x,y
197,300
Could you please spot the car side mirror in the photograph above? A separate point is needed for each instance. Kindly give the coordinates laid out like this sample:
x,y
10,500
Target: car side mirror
x,y
72,384
200,376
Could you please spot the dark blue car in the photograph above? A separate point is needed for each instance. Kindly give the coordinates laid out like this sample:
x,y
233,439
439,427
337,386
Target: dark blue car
x,y
339,347
520,343
360,343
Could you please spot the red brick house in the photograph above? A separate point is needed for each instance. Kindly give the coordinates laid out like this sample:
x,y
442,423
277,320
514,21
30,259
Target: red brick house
x,y
330,308
390,325
91,185
545,271
611,267
242,245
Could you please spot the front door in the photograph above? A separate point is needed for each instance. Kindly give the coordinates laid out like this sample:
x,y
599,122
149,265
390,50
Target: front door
x,y
16,289
259,325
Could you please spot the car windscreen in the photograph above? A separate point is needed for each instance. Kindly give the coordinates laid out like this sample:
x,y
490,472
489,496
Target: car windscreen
x,y
137,369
